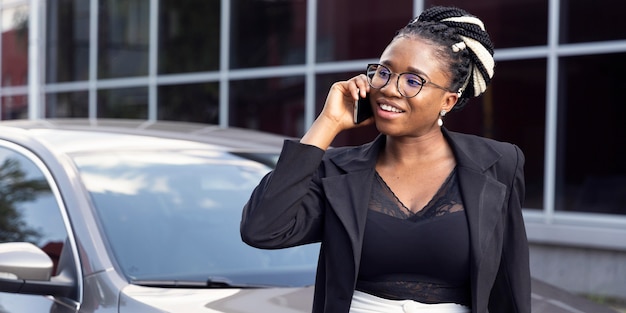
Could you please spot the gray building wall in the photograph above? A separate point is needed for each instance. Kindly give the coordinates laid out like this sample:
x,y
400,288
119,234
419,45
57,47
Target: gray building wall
x,y
600,273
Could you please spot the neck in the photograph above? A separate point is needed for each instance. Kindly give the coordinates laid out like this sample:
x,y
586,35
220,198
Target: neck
x,y
411,150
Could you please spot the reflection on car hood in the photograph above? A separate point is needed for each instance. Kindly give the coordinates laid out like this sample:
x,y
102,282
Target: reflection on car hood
x,y
276,300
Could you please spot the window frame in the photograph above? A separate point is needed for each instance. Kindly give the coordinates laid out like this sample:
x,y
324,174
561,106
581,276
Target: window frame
x,y
56,192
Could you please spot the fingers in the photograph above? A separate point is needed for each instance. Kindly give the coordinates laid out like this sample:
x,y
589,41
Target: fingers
x,y
342,98
362,86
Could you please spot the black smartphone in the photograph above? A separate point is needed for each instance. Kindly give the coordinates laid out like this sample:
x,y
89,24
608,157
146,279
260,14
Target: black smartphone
x,y
362,109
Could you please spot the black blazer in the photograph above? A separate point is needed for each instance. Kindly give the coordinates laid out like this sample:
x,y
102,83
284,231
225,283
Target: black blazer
x,y
314,196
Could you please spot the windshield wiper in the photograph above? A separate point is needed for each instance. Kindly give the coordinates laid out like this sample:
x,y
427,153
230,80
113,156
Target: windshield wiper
x,y
212,282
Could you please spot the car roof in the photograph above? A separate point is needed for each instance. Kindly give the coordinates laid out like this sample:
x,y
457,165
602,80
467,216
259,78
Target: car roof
x,y
83,135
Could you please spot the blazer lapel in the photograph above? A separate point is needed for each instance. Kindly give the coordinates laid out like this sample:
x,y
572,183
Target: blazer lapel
x,y
349,193
483,198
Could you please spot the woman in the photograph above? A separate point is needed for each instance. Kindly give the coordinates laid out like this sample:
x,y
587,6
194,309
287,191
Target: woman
x,y
421,219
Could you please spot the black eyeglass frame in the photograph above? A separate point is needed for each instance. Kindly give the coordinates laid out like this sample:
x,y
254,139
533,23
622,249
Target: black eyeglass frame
x,y
423,80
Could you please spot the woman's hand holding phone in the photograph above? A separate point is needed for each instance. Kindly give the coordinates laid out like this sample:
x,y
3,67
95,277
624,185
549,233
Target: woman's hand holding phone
x,y
339,112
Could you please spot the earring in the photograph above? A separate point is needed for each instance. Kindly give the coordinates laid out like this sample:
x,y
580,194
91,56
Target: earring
x,y
441,114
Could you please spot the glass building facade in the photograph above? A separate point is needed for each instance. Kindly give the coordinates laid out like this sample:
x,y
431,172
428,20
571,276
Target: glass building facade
x,y
268,65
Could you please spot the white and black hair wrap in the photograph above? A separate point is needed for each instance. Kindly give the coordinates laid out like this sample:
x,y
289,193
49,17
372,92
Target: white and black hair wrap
x,y
473,36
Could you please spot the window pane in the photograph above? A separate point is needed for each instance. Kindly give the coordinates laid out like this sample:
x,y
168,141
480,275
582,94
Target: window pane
x,y
14,107
67,40
511,23
190,103
123,33
266,33
29,211
591,173
351,137
592,20
358,29
181,219
123,103
67,104
512,110
189,36
274,105
15,46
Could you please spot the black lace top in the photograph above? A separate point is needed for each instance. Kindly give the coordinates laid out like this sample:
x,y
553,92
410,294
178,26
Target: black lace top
x,y
421,256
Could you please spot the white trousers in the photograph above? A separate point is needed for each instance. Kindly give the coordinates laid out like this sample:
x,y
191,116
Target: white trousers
x,y
366,303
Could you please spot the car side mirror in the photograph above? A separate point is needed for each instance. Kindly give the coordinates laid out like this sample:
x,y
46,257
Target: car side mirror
x,y
26,269
24,261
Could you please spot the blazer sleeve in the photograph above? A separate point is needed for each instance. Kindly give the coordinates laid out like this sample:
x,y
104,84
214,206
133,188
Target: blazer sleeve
x,y
511,290
286,208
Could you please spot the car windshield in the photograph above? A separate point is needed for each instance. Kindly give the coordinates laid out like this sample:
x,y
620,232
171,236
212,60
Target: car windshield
x,y
174,216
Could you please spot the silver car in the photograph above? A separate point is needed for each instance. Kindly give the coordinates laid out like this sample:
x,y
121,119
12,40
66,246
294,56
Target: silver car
x,y
136,216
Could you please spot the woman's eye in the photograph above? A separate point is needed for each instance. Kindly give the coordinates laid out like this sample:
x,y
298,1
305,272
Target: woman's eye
x,y
413,80
384,73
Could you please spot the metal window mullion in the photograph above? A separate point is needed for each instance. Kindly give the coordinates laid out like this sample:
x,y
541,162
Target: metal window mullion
x,y
586,48
43,57
311,40
224,62
550,171
34,42
418,7
93,59
153,60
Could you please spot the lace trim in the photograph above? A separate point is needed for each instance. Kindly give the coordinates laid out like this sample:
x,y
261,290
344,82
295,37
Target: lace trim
x,y
418,291
446,200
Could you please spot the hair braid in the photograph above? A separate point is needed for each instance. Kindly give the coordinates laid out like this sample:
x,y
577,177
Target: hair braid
x,y
454,30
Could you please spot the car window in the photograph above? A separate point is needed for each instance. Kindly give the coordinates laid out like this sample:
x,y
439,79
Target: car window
x,y
28,209
175,216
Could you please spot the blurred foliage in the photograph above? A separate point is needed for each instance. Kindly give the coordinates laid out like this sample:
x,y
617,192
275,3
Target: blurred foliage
x,y
15,188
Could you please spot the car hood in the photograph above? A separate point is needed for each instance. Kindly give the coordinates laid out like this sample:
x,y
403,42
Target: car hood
x,y
138,299
224,300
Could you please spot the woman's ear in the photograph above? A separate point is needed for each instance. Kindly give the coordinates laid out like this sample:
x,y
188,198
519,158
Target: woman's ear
x,y
450,101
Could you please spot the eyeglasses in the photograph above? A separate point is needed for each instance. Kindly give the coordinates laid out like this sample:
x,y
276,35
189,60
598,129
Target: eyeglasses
x,y
408,84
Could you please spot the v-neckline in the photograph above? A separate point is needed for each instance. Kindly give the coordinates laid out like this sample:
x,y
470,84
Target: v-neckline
x,y
427,206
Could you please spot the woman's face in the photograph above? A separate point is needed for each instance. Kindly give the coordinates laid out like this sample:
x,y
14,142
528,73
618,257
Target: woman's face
x,y
396,115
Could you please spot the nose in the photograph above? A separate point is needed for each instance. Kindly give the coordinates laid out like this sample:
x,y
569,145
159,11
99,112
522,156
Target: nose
x,y
392,87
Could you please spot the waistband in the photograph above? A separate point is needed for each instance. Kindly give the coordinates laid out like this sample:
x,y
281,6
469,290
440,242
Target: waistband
x,y
366,303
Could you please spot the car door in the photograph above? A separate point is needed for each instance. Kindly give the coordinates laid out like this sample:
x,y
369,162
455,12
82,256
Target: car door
x,y
31,212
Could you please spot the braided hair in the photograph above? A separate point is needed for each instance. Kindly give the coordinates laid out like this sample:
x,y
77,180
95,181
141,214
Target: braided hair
x,y
461,43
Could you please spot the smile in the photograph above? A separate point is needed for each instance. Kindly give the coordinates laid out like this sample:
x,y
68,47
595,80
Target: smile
x,y
388,108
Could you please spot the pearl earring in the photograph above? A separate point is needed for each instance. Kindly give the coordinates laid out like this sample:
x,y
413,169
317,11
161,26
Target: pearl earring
x,y
441,114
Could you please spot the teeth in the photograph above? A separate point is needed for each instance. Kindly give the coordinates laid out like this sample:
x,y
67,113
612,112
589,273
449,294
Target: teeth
x,y
389,108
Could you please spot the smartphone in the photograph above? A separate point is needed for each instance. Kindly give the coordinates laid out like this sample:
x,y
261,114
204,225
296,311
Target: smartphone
x,y
362,109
